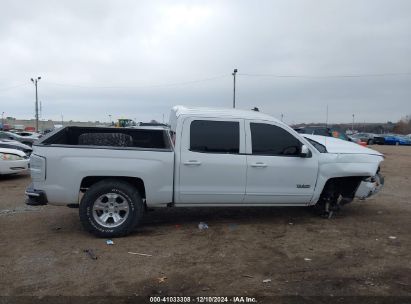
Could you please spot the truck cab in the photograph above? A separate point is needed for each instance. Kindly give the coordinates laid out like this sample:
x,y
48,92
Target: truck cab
x,y
236,157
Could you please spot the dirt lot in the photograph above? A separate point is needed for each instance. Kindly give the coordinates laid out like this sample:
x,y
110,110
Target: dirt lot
x,y
42,248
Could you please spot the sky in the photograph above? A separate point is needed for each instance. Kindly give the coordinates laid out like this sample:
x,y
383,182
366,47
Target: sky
x,y
136,59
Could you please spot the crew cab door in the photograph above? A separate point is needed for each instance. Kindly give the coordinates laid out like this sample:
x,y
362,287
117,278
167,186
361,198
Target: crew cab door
x,y
212,164
276,172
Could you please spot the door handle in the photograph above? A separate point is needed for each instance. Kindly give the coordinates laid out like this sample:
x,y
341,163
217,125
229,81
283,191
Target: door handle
x,y
192,163
259,165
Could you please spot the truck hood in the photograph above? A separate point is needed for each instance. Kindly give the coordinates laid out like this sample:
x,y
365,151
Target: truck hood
x,y
336,145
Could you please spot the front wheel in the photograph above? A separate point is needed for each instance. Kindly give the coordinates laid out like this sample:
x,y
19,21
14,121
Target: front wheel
x,y
111,208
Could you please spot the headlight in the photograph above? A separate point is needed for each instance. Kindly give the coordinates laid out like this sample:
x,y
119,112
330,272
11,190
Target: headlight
x,y
6,156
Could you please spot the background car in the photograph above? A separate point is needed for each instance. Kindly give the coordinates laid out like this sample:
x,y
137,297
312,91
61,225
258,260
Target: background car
x,y
13,144
404,140
314,130
355,139
13,161
392,139
379,139
324,131
28,134
27,140
364,137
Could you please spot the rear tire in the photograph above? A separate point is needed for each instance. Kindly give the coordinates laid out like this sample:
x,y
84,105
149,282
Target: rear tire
x,y
111,208
370,142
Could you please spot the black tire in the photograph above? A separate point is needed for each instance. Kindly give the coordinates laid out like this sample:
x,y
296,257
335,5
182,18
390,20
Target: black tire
x,y
319,209
111,186
370,142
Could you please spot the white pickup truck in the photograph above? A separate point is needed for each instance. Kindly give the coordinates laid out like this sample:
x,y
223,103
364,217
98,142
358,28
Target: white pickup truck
x,y
207,157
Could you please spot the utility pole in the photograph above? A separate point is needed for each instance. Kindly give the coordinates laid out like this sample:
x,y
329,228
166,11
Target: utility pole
x,y
352,127
282,116
326,117
62,120
41,116
35,81
109,116
234,73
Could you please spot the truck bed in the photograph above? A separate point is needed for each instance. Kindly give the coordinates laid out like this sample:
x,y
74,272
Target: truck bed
x,y
97,137
62,162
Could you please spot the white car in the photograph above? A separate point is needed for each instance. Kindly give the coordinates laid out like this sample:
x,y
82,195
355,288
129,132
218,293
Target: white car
x,y
27,140
13,161
208,157
14,144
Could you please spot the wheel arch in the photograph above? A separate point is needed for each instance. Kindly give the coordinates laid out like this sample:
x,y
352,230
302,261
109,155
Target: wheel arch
x,y
137,182
345,186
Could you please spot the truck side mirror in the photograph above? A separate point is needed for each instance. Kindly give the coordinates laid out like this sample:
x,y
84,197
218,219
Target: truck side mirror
x,y
305,152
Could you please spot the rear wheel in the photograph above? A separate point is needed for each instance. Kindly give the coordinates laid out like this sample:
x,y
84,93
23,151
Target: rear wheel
x,y
370,142
111,208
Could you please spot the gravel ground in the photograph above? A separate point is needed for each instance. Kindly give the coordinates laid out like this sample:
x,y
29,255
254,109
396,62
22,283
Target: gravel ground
x,y
365,250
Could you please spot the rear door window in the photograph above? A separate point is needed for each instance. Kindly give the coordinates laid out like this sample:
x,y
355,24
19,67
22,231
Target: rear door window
x,y
208,136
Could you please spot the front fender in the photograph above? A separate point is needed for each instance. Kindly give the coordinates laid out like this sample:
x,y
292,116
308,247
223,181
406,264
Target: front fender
x,y
344,165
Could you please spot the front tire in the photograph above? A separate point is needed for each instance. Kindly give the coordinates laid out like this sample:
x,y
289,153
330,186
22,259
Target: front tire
x,y
111,208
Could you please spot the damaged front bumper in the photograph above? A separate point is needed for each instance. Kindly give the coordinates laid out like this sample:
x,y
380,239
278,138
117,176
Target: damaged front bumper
x,y
370,186
35,197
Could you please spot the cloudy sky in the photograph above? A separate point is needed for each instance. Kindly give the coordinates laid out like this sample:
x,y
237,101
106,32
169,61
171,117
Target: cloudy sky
x,y
136,59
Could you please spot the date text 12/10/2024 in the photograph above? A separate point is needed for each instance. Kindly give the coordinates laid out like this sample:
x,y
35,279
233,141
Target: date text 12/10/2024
x,y
204,299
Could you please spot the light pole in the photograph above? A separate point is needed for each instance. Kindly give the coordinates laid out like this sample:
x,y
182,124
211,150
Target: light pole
x,y
109,116
62,120
2,121
35,81
234,73
282,116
